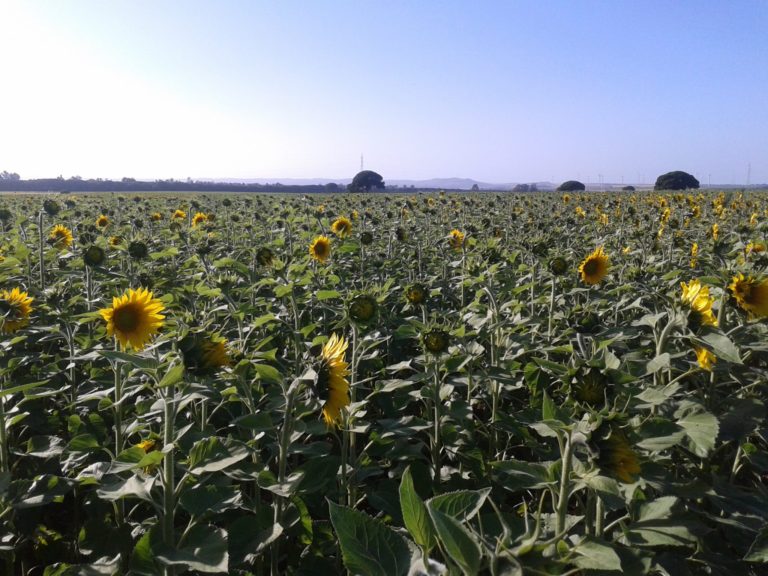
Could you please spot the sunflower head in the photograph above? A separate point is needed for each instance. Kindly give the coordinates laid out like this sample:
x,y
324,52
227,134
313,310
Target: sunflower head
x,y
203,355
199,218
156,216
456,239
751,294
138,250
416,294
366,238
617,458
134,318
401,234
342,227
51,207
264,256
594,267
590,386
363,308
178,215
102,221
558,265
705,358
332,372
94,256
697,299
60,237
115,241
436,341
320,249
15,308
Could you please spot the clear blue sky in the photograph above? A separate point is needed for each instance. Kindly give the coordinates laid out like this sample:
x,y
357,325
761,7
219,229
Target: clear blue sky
x,y
499,91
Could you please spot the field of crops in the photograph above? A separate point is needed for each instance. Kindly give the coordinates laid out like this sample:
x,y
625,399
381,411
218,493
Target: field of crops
x,y
384,384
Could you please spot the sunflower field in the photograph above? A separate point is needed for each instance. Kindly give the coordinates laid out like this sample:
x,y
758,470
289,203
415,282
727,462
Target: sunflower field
x,y
384,384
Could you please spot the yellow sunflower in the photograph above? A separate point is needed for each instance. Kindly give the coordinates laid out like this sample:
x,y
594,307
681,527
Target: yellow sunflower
x,y
751,294
102,221
456,239
697,298
342,227
179,215
199,218
133,318
705,358
694,254
60,237
332,375
115,241
320,249
715,231
156,216
594,267
15,308
215,354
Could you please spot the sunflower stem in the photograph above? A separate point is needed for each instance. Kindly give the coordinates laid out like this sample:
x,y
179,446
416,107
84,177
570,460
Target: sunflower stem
x,y
437,440
285,440
562,499
169,416
4,454
40,222
117,368
551,310
349,430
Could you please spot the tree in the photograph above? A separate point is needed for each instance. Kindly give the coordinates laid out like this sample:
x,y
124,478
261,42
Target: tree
x,y
366,181
475,188
521,188
628,188
571,186
676,180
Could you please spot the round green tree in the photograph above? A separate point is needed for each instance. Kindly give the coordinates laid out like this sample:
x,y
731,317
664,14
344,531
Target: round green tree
x,y
676,180
571,186
366,181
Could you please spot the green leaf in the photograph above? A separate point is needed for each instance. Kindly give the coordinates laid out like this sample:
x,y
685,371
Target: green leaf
x,y
174,375
415,513
702,428
457,542
368,546
214,454
547,408
722,346
210,498
461,505
595,554
268,373
660,362
758,552
327,294
137,361
204,550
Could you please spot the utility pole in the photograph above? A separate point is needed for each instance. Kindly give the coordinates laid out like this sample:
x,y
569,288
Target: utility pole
x,y
361,162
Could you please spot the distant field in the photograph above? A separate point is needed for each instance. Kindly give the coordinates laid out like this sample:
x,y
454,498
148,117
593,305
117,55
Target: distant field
x,y
485,383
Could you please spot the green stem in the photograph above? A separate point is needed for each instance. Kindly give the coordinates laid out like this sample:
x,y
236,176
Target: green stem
x,y
169,417
285,439
551,311
40,223
5,465
349,429
562,500
437,440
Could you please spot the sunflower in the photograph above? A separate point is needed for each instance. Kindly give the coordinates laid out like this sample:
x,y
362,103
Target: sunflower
x,y
133,318
715,231
697,298
146,445
705,358
199,218
102,221
751,294
60,237
456,239
436,341
203,355
320,249
694,254
617,457
332,374
363,308
94,256
342,227
179,215
15,308
264,256
416,294
115,241
156,216
594,267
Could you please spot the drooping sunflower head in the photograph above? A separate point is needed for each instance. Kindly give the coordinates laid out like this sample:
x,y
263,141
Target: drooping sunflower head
x,y
332,378
60,237
179,215
320,249
456,239
558,265
617,457
15,308
199,218
705,358
51,207
751,294
138,250
594,267
134,318
264,256
102,221
416,294
342,227
696,297
94,256
436,341
363,308
590,386
203,354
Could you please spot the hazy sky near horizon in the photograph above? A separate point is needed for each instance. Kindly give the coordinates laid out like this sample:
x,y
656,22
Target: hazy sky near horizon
x,y
498,91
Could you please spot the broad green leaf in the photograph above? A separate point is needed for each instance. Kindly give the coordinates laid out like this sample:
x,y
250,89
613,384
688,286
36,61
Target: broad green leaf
x,y
702,428
722,346
461,505
268,373
174,375
594,554
758,552
457,542
214,454
327,294
204,550
415,513
133,359
202,499
368,546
